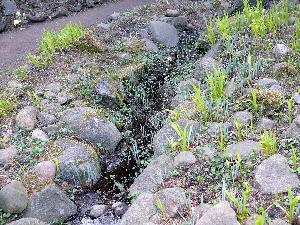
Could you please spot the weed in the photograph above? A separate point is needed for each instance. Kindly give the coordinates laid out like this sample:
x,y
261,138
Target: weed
x,y
160,207
261,219
223,26
293,205
182,134
20,73
216,84
34,98
5,106
200,103
290,104
238,127
268,143
294,159
211,33
240,204
222,138
254,101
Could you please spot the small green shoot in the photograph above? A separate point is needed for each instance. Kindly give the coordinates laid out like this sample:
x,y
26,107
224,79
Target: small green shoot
x,y
268,143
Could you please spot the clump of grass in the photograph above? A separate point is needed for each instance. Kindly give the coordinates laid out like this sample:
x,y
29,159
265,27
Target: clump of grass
x,y
268,143
223,26
182,134
20,73
5,106
55,41
200,103
211,33
216,83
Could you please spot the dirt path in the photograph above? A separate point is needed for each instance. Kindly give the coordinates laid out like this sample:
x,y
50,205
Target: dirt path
x,y
14,44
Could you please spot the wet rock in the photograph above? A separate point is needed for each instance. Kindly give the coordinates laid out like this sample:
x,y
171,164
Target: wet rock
x,y
152,175
103,26
13,197
119,209
297,98
265,124
266,82
243,117
7,155
274,175
184,159
244,148
172,13
79,164
107,90
280,51
51,205
37,17
180,22
27,118
98,210
294,130
40,135
172,200
164,33
86,125
9,7
45,118
220,214
205,66
27,221
150,45
45,170
142,210
278,222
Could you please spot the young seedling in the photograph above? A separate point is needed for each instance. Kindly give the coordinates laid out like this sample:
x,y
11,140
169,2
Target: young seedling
x,y
293,205
294,159
182,134
216,83
290,104
254,101
211,33
238,127
263,218
200,103
268,143
160,207
223,26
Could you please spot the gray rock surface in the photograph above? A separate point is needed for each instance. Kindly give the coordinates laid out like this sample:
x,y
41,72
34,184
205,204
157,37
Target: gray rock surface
x,y
45,118
265,124
274,175
266,82
27,118
45,170
164,33
152,175
86,125
220,214
51,205
186,158
7,155
245,148
243,117
9,7
278,222
150,45
294,130
13,197
172,13
280,51
98,210
205,66
119,209
38,134
78,164
107,91
27,221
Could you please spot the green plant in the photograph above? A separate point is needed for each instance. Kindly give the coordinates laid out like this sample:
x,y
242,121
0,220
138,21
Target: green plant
x,y
20,73
4,216
254,101
293,205
200,103
261,219
223,26
240,204
238,127
290,104
160,207
5,106
211,33
257,24
216,83
34,98
295,42
222,138
294,159
182,134
268,143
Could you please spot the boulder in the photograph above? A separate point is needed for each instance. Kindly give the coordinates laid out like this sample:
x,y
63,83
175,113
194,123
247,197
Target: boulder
x,y
9,7
149,45
265,124
40,135
294,130
164,33
45,170
27,221
51,205
86,125
205,66
244,148
107,90
7,155
274,175
266,82
220,214
45,119
78,164
27,118
297,98
186,158
13,197
278,222
98,210
180,22
152,175
281,51
243,117
119,208
231,88
172,13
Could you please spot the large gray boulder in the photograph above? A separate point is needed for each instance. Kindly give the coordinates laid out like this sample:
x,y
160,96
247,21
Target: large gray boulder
x,y
78,164
244,148
27,221
27,118
274,175
164,33
86,125
13,197
220,214
152,175
166,133
51,205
